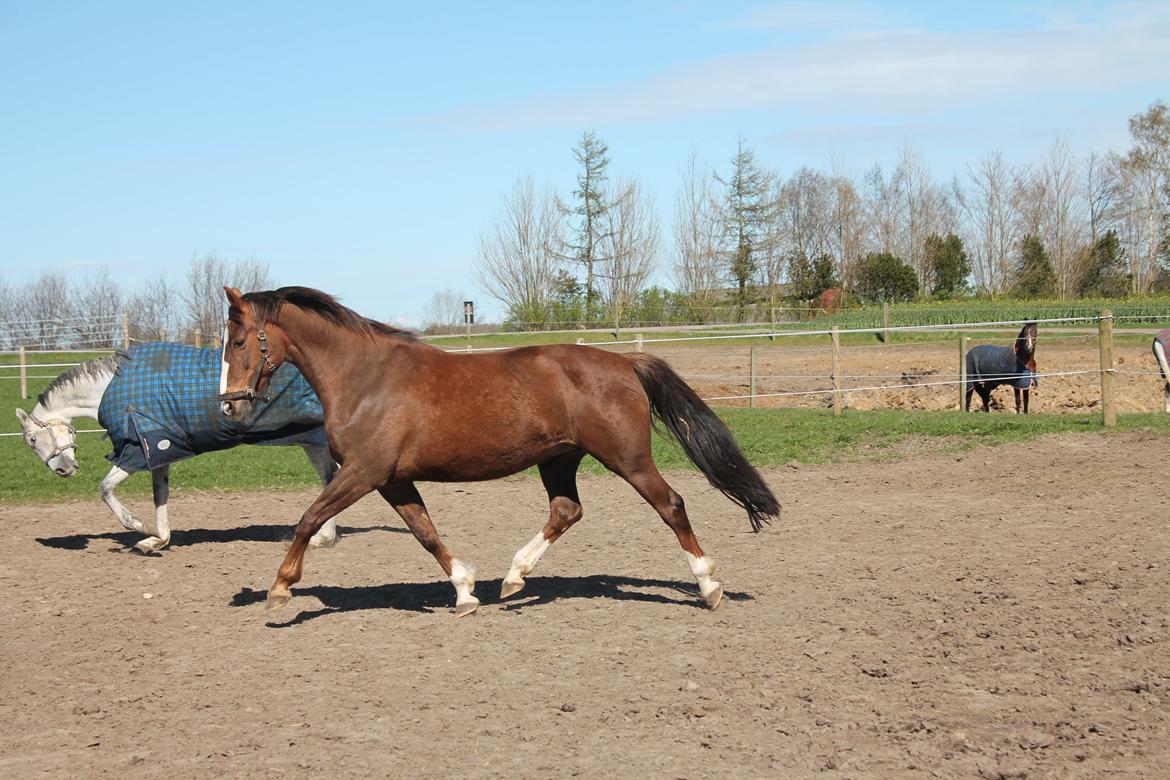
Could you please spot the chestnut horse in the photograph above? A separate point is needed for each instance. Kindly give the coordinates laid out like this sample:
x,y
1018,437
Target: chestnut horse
x,y
398,411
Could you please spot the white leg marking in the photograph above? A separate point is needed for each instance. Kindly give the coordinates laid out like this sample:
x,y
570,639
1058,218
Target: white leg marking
x,y
463,578
323,464
160,535
526,557
703,568
1160,354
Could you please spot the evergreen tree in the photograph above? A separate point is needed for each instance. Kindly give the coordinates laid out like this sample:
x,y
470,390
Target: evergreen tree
x,y
880,276
744,212
808,280
1105,274
591,206
947,265
1034,275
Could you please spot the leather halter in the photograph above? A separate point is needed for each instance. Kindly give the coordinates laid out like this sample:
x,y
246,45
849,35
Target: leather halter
x,y
252,392
49,425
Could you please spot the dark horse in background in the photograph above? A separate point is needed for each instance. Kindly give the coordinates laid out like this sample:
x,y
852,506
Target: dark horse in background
x,y
398,411
989,366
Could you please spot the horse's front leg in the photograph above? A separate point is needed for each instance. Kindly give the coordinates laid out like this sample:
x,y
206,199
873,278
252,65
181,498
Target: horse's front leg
x,y
116,477
1026,394
160,536
343,491
1016,391
326,469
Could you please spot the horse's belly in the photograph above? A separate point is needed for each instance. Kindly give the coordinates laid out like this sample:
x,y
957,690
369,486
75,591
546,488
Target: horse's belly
x,y
473,466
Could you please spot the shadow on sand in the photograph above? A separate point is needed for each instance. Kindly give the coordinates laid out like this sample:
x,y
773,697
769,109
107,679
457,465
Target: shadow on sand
x,y
440,596
192,536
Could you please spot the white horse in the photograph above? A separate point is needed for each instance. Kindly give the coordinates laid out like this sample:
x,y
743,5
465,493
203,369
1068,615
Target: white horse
x,y
1159,347
48,430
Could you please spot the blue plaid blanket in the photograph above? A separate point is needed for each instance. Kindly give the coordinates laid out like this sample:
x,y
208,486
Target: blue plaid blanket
x,y
998,366
162,406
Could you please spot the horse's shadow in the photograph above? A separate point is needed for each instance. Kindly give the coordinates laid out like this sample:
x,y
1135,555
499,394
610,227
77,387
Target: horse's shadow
x,y
438,596
192,536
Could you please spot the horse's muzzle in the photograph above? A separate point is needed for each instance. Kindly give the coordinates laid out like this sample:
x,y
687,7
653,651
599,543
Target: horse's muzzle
x,y
238,409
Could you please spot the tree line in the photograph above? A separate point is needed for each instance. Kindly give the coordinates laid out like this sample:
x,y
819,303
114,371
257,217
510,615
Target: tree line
x,y
746,238
56,311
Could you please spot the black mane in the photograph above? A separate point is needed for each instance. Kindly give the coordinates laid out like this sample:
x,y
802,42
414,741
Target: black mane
x,y
269,302
91,369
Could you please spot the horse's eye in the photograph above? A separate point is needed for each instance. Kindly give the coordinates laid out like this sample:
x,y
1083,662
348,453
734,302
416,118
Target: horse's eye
x,y
32,440
238,343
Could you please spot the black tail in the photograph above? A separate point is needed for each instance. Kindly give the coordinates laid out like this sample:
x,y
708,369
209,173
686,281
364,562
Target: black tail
x,y
705,439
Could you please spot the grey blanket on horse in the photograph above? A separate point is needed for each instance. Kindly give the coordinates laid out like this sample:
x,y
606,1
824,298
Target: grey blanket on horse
x,y
994,365
162,406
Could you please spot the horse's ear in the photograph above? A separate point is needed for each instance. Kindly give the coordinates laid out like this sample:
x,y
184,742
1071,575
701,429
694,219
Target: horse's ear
x,y
21,415
235,297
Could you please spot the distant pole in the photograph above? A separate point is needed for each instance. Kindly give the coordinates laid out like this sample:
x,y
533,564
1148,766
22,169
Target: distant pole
x,y
638,346
964,345
1108,405
836,372
885,322
125,331
752,378
23,374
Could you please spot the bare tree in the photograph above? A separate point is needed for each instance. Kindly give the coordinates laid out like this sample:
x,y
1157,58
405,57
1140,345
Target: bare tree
x,y
444,313
1100,183
203,296
1061,224
632,239
517,257
881,210
803,210
922,210
153,310
98,303
846,225
45,307
696,235
992,231
1145,188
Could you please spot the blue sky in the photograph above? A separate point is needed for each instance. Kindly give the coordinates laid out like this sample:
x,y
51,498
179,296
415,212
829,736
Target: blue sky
x,y
361,147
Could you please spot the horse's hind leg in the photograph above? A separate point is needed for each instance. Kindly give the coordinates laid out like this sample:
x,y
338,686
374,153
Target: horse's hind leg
x,y
342,492
326,469
404,497
967,404
649,483
160,537
559,475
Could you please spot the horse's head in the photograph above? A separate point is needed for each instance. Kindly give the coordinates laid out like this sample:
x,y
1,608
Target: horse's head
x,y
252,351
1026,343
53,440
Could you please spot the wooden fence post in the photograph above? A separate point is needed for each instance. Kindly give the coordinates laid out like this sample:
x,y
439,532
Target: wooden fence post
x,y
772,333
885,322
752,378
23,374
198,339
964,345
837,404
1108,405
125,331
638,343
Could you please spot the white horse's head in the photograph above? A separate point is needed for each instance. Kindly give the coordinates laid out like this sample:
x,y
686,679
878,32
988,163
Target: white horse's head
x,y
53,440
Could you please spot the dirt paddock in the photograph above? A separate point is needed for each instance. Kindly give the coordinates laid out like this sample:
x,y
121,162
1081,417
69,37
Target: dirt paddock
x,y
995,613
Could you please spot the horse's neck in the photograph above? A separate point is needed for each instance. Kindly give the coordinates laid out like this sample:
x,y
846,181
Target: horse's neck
x,y
315,349
80,398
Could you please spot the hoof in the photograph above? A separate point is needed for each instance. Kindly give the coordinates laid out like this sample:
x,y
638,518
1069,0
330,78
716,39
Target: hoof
x,y
714,597
510,588
150,546
466,608
276,600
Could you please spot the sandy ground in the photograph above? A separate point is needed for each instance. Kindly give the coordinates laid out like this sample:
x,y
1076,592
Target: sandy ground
x,y
995,613
719,372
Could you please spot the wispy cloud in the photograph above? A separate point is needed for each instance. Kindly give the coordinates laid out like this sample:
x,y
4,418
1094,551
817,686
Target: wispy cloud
x,y
834,17
889,74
